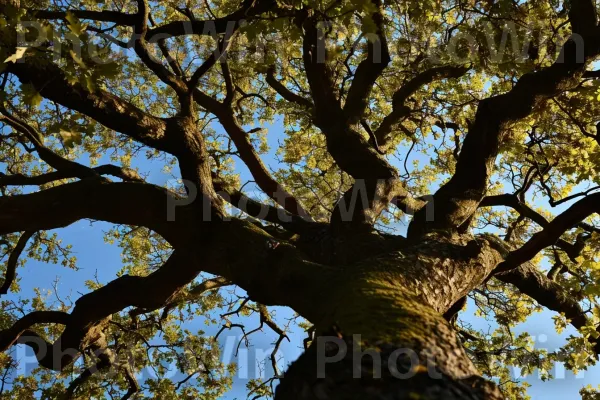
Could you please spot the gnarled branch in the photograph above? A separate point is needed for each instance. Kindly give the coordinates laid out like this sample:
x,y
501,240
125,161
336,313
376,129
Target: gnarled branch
x,y
129,203
400,110
552,232
13,259
459,198
367,72
104,107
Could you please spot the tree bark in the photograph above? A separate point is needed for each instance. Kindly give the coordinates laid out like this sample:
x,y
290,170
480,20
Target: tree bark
x,y
383,335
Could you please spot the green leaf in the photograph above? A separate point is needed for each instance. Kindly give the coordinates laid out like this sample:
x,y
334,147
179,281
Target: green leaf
x,y
86,81
368,24
107,70
74,24
71,138
77,59
19,53
31,97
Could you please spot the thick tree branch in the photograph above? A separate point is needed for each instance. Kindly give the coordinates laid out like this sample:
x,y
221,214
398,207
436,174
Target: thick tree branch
x,y
218,54
102,106
195,293
134,386
552,232
65,168
285,92
50,157
271,271
84,326
400,110
591,74
13,259
10,336
290,222
374,176
348,147
141,47
122,203
512,201
173,63
257,168
117,17
125,174
106,359
459,198
318,72
533,283
248,9
229,86
582,16
248,154
223,111
367,72
253,266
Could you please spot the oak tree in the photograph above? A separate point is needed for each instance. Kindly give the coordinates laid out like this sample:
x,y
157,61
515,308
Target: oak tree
x,y
476,122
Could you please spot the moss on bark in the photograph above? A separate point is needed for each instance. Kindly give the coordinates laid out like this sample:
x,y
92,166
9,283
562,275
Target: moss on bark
x,y
392,306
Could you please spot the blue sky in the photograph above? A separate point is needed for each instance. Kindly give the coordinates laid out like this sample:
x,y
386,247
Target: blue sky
x,y
99,259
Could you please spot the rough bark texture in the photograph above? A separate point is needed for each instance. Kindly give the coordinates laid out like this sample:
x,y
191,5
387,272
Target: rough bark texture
x,y
395,304
341,275
409,380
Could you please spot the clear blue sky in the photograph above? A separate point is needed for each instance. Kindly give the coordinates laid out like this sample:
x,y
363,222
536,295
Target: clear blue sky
x,y
95,257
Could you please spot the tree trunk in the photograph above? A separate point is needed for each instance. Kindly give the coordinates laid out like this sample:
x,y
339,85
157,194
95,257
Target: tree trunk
x,y
383,335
